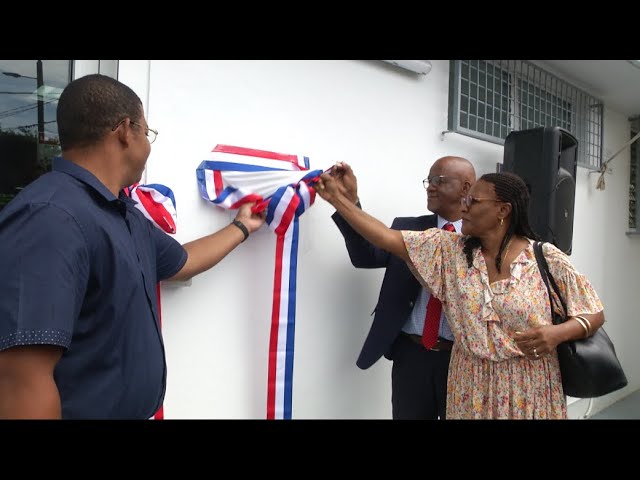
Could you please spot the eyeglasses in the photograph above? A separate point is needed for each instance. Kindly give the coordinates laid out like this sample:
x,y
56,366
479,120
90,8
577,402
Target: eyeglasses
x,y
470,200
436,180
149,132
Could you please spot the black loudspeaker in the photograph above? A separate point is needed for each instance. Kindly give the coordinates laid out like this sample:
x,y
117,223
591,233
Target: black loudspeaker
x,y
546,158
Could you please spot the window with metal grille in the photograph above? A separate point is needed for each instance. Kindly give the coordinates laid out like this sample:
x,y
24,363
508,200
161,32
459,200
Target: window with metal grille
x,y
490,98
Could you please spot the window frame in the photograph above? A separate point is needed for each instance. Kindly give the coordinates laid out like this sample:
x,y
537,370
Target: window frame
x,y
586,123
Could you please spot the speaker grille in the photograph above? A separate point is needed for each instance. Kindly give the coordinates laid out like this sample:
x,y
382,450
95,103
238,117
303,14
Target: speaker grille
x,y
546,159
562,221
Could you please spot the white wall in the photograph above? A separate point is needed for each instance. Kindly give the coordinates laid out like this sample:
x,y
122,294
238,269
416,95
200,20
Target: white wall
x,y
387,124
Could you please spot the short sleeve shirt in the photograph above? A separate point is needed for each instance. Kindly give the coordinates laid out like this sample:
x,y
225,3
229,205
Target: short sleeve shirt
x,y
80,269
484,315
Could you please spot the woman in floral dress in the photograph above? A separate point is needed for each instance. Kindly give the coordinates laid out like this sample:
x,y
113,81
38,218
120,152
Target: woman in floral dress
x,y
503,363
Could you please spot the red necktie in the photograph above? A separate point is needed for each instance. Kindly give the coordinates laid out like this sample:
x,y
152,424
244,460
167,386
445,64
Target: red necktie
x,y
434,310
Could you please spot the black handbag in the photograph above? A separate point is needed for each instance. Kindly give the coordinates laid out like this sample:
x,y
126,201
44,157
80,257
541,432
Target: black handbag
x,y
589,366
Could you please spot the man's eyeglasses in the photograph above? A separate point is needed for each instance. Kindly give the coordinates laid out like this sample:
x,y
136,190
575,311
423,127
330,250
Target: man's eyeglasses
x,y
437,180
149,132
470,200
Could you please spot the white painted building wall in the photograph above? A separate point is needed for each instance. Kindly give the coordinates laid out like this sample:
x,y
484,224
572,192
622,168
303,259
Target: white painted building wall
x,y
387,124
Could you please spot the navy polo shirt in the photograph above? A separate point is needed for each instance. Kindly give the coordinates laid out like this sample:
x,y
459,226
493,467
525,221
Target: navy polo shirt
x,y
79,269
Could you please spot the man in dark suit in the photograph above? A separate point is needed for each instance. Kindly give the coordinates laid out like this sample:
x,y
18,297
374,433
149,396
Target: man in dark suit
x,y
419,375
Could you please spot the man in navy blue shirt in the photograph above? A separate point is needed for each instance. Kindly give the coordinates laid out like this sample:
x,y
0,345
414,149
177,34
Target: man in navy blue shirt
x,y
79,327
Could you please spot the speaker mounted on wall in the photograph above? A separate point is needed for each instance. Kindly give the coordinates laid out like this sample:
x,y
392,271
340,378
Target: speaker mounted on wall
x,y
546,158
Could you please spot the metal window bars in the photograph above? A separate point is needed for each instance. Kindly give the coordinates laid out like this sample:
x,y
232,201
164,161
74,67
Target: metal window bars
x,y
490,98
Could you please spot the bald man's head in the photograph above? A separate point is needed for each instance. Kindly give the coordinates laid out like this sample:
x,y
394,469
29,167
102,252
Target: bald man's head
x,y
450,180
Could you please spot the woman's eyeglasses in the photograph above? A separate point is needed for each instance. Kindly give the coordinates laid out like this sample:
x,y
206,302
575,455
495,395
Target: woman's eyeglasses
x,y
470,200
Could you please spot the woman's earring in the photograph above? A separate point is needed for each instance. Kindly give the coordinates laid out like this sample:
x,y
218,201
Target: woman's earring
x,y
501,221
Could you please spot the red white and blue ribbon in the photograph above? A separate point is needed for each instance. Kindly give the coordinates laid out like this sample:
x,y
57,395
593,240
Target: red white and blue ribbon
x,y
158,204
281,184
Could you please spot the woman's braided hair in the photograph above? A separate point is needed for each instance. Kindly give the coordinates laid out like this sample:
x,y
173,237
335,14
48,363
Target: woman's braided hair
x,y
509,188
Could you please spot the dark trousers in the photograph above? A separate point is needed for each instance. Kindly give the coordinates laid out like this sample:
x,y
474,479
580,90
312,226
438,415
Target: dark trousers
x,y
418,381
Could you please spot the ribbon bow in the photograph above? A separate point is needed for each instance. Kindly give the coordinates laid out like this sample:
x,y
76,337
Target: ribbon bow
x,y
281,184
157,203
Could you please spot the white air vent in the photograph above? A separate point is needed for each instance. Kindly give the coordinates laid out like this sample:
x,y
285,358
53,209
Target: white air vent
x,y
417,66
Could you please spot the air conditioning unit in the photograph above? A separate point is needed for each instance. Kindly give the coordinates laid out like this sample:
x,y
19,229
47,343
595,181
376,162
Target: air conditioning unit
x,y
417,66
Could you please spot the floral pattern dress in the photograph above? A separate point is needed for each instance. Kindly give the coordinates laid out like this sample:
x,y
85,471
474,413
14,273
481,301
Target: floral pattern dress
x,y
489,376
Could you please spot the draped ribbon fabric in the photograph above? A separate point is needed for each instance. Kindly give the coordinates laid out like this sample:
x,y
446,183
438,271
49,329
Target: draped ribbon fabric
x,y
281,184
157,203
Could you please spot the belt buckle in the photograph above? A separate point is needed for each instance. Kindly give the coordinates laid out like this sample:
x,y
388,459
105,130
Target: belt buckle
x,y
438,344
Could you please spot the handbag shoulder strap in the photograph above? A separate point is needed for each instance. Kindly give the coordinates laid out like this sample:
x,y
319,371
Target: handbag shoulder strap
x,y
547,277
